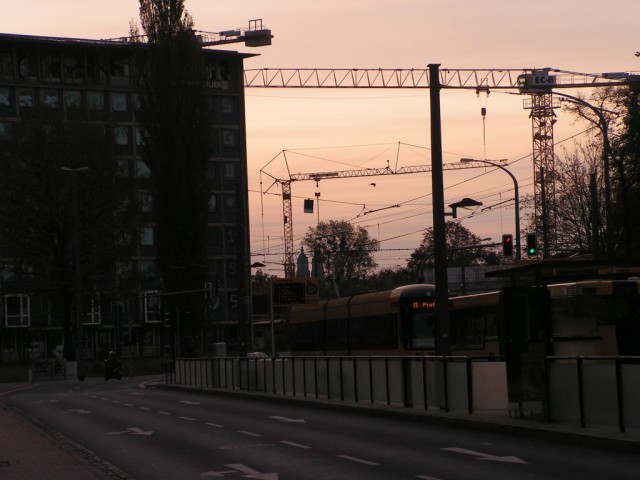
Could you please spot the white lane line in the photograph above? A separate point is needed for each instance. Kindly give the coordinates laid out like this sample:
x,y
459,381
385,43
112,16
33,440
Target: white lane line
x,y
251,434
187,418
115,401
129,405
214,425
164,413
293,444
358,460
426,477
145,408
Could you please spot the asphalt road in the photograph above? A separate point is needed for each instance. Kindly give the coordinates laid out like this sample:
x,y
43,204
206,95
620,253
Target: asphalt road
x,y
167,434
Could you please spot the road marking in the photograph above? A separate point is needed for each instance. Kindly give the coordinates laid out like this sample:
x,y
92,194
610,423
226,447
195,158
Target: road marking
x,y
145,408
129,405
75,410
189,402
289,420
115,401
250,473
244,432
164,413
293,444
214,425
358,460
187,418
133,431
486,456
426,477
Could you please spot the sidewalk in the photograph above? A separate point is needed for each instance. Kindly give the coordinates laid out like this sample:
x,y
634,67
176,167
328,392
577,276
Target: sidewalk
x,y
28,452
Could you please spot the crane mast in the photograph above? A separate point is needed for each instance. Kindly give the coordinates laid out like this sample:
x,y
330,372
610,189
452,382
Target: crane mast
x,y
537,83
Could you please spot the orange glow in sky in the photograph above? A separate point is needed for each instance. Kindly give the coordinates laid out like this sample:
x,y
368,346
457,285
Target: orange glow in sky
x,y
319,130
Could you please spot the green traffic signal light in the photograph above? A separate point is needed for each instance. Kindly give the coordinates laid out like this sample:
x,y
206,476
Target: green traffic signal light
x,y
532,247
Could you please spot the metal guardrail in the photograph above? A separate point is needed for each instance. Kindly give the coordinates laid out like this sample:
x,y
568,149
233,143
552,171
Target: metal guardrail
x,y
594,390
447,383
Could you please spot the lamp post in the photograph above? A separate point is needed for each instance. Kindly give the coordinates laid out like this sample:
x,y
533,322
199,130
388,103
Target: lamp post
x,y
516,193
78,271
606,153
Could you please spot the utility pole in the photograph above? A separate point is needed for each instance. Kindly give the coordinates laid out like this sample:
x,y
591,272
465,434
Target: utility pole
x,y
443,342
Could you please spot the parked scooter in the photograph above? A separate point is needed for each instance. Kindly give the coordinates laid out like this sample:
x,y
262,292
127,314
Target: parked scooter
x,y
112,367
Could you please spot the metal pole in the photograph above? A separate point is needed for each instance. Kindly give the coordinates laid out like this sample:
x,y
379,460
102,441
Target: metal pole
x,y
443,342
271,321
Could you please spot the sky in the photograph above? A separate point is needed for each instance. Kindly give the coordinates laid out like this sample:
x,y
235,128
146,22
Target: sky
x,y
320,130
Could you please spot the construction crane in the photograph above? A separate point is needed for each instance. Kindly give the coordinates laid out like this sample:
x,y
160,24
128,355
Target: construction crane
x,y
255,35
537,83
287,209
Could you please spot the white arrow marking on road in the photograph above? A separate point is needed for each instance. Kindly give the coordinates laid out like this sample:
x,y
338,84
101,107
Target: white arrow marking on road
x,y
486,456
252,473
75,410
217,474
133,431
289,420
188,402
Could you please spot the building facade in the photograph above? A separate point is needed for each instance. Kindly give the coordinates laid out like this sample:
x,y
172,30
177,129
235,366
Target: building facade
x,y
91,80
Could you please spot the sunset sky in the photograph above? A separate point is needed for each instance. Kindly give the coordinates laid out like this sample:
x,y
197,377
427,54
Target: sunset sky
x,y
319,130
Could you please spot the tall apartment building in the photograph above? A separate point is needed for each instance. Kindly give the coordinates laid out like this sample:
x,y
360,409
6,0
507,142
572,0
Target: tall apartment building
x,y
91,80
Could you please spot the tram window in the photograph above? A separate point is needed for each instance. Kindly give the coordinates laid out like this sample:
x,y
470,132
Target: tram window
x,y
421,330
573,317
374,332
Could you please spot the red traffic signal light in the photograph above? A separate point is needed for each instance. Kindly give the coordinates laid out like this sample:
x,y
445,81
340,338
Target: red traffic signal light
x,y
507,245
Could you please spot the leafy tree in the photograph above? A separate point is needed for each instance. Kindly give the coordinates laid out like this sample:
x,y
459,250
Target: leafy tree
x,y
170,82
390,278
345,253
463,248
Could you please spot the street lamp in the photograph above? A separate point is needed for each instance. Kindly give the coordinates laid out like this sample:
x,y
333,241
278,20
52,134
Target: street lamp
x,y
78,270
517,197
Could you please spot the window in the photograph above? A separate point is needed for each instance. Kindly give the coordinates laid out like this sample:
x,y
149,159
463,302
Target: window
x,y
152,313
229,203
92,317
16,310
26,98
141,136
121,135
96,100
145,200
124,270
212,203
142,170
50,98
72,68
229,171
72,99
51,67
227,106
6,65
119,102
149,268
27,66
5,131
228,138
146,236
5,97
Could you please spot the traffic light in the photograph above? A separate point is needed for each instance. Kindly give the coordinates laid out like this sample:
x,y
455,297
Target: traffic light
x,y
532,248
507,245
